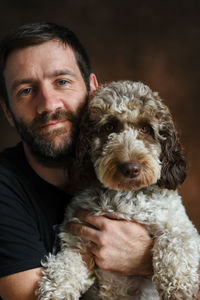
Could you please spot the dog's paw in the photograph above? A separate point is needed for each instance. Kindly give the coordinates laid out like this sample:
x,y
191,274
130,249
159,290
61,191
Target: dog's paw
x,y
65,276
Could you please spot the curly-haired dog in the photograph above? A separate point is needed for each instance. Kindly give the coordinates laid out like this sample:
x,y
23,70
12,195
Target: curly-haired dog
x,y
128,136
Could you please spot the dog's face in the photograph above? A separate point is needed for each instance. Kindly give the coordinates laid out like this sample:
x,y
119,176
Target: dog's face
x,y
127,130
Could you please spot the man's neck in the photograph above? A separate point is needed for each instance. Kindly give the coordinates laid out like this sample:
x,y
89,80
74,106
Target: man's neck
x,y
57,176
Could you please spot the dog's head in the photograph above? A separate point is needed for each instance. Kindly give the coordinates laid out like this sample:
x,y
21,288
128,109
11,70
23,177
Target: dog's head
x,y
128,135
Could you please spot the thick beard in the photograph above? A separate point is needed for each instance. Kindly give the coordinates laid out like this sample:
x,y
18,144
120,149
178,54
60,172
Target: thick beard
x,y
41,146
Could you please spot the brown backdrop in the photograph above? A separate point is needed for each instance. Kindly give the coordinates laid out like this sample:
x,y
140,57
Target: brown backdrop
x,y
154,41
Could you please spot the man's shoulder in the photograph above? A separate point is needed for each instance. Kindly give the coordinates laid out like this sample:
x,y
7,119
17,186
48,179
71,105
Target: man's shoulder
x,y
18,183
12,166
11,158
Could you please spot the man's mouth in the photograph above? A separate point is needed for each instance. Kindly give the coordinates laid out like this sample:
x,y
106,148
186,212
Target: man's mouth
x,y
52,124
49,126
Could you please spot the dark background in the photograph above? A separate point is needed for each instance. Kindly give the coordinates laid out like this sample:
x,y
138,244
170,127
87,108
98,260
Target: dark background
x,y
157,42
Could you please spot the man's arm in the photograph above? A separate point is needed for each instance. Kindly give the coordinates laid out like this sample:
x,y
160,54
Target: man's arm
x,y
20,286
118,245
21,247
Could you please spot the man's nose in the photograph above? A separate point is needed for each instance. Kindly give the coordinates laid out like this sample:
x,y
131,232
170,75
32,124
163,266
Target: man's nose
x,y
48,101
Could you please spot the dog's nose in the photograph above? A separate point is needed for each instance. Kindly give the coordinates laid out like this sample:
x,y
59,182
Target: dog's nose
x,y
130,170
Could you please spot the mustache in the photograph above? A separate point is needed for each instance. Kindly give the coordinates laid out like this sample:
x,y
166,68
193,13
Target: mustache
x,y
60,115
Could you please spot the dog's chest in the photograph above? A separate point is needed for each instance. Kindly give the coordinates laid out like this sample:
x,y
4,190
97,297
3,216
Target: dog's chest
x,y
148,206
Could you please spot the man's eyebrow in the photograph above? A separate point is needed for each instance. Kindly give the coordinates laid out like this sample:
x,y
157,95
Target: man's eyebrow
x,y
62,72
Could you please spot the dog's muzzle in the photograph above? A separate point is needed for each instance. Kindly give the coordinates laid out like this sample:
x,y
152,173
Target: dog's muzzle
x,y
129,169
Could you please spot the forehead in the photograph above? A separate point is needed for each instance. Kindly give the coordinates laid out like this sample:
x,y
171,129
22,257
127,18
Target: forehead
x,y
128,102
36,61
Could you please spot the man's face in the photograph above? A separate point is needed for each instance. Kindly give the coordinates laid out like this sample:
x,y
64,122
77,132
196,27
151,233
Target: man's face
x,y
46,94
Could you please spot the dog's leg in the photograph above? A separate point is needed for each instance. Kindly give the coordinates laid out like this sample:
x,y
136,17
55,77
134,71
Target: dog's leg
x,y
65,276
176,262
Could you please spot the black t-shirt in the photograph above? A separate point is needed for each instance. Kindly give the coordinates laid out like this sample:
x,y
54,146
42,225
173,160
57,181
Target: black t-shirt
x,y
30,210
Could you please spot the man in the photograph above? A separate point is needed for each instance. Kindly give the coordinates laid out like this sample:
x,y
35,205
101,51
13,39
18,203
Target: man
x,y
45,79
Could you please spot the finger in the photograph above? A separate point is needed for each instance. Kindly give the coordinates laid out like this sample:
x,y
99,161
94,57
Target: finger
x,y
113,217
84,232
87,217
99,255
96,250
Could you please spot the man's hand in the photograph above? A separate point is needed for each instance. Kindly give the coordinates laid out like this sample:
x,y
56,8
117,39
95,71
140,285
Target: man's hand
x,y
117,245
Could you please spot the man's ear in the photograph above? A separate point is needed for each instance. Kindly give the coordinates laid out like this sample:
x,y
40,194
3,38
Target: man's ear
x,y
7,113
93,83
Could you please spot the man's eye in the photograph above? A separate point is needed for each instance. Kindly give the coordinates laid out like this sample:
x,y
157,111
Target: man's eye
x,y
26,91
62,82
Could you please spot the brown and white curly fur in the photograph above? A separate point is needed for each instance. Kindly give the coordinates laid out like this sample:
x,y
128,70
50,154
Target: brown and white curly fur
x,y
128,139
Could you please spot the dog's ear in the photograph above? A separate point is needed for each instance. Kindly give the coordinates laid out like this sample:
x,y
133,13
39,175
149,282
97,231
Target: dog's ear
x,y
173,170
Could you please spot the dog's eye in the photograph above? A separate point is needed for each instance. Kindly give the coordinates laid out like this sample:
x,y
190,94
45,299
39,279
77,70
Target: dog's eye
x,y
145,129
109,127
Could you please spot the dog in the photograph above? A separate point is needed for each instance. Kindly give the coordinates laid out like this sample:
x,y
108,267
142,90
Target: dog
x,y
129,143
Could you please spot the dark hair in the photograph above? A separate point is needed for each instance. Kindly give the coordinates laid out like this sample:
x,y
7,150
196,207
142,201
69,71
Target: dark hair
x,y
38,33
